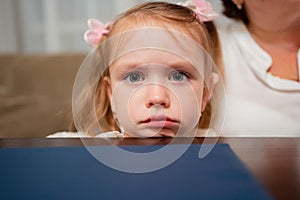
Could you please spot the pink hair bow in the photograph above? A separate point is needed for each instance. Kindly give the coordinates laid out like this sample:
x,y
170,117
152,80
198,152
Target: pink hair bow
x,y
96,30
202,9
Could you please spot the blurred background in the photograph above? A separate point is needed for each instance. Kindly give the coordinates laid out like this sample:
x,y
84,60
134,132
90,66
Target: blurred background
x,y
52,26
41,49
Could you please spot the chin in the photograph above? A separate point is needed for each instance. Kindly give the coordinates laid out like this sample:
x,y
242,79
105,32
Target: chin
x,y
165,132
152,132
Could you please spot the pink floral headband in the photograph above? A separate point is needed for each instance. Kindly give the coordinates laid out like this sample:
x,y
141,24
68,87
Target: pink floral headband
x,y
95,32
203,10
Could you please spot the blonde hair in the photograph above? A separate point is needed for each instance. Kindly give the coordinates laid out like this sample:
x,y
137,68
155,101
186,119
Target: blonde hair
x,y
152,13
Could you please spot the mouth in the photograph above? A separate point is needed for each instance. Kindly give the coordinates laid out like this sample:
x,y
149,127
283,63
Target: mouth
x,y
159,122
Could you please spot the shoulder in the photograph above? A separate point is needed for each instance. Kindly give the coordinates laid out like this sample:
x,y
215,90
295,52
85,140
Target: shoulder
x,y
112,134
227,27
68,135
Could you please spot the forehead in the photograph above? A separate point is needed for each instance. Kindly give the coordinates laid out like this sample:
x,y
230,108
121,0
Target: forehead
x,y
194,31
148,56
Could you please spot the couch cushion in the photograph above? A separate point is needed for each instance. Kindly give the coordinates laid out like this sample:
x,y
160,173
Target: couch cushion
x,y
36,93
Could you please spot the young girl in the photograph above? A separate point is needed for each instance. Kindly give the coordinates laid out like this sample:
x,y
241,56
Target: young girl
x,y
152,73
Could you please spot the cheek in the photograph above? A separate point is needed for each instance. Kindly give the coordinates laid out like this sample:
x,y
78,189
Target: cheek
x,y
127,103
190,96
119,100
189,104
136,105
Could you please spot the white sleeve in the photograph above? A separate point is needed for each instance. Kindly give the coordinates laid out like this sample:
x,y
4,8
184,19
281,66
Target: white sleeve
x,y
68,135
112,134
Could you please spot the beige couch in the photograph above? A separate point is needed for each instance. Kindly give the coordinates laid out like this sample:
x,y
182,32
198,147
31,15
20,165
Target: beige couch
x,y
35,94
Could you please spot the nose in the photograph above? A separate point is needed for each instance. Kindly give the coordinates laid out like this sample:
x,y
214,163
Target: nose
x,y
157,95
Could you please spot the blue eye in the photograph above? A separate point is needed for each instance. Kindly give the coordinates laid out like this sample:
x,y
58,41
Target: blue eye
x,y
178,76
134,77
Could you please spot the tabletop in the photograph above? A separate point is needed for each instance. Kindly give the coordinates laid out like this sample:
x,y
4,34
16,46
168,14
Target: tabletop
x,y
275,162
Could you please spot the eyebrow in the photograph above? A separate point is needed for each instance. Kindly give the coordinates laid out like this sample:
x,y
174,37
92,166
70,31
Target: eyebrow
x,y
184,66
125,66
180,64
128,64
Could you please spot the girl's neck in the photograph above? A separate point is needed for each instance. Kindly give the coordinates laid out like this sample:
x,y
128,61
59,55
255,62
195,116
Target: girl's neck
x,y
282,46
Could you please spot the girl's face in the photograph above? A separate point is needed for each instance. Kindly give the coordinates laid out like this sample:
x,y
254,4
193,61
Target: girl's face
x,y
155,93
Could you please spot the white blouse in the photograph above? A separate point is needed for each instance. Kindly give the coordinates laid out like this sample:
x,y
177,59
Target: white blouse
x,y
257,103
112,134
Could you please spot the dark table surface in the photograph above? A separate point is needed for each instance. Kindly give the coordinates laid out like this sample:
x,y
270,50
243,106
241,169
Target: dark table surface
x,y
275,162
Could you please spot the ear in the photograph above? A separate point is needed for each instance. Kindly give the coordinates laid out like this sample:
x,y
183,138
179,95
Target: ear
x,y
208,92
108,90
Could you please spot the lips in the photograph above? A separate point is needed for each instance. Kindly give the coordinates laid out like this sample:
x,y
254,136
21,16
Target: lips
x,y
159,122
